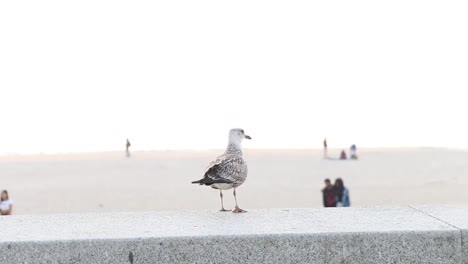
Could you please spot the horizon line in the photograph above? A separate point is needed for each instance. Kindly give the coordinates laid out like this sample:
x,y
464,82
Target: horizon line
x,y
220,149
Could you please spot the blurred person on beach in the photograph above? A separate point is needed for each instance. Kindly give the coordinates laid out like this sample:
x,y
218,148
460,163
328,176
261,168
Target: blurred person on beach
x,y
329,194
325,148
6,205
342,194
343,155
127,148
352,153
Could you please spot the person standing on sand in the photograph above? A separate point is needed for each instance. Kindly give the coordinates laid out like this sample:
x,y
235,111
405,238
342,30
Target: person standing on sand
x,y
329,194
325,148
127,151
6,205
342,194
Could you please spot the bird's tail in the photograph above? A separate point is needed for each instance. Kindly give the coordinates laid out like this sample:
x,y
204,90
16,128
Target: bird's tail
x,y
199,182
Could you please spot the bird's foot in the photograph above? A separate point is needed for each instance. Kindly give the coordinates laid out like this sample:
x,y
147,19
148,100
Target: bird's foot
x,y
238,210
224,210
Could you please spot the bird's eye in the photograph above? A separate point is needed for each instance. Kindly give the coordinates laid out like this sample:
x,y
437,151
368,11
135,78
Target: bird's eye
x,y
242,131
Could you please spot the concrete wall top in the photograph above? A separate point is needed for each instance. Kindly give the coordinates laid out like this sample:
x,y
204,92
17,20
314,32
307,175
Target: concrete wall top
x,y
419,234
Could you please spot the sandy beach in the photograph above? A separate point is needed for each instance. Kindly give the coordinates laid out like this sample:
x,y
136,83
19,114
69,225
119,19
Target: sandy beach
x,y
160,180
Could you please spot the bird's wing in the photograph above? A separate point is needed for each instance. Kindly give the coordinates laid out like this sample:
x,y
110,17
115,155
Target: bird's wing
x,y
215,162
225,168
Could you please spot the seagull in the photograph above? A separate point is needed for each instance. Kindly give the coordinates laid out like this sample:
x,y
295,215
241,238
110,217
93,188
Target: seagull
x,y
228,170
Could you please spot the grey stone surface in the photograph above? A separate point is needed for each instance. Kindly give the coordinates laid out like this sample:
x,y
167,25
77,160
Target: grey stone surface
x,y
341,235
455,215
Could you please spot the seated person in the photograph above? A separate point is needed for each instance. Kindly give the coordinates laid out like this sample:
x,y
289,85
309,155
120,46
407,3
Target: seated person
x,y
6,205
343,155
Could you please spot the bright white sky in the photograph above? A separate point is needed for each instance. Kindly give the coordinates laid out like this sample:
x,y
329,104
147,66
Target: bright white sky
x,y
85,75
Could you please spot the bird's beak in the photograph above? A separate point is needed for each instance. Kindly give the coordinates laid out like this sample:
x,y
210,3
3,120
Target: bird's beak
x,y
247,137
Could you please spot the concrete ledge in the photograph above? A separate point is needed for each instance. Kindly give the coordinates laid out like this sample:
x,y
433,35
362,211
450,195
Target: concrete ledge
x,y
456,216
342,235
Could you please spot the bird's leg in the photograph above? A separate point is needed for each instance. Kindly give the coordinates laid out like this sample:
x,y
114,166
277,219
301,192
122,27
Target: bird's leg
x,y
222,205
237,209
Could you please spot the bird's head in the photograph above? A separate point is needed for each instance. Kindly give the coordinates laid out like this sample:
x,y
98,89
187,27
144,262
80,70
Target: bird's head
x,y
236,135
